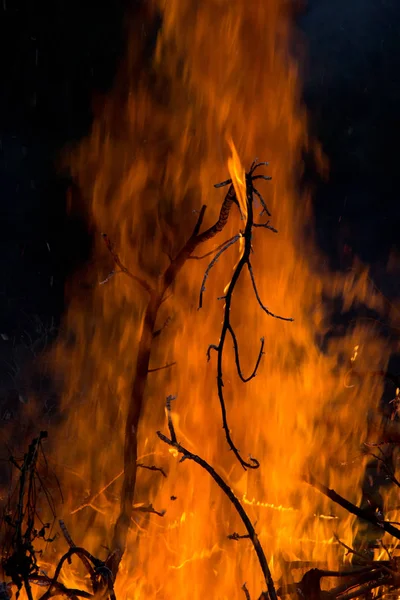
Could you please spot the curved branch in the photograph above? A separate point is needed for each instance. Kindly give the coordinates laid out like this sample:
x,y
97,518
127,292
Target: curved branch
x,y
186,454
237,360
213,263
265,309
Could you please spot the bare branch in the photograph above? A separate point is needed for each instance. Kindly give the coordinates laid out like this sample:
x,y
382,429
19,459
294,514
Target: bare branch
x,y
212,264
246,591
223,183
193,257
237,360
265,309
186,454
152,468
262,201
167,366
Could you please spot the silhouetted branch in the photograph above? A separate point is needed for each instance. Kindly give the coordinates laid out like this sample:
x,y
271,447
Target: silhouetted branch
x,y
186,454
227,328
212,264
265,309
152,468
193,257
237,360
167,366
352,508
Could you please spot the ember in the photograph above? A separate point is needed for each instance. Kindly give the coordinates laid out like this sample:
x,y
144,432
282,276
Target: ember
x,y
269,499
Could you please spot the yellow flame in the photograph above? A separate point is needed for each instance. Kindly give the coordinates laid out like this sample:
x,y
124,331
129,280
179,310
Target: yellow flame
x,y
238,176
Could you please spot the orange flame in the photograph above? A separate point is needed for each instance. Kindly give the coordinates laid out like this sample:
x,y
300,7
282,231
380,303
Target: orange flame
x,y
238,177
222,70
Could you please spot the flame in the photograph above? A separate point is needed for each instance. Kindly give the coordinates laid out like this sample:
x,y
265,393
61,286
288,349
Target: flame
x,y
220,89
237,173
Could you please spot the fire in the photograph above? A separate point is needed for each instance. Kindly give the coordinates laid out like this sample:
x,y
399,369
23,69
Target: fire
x,y
220,89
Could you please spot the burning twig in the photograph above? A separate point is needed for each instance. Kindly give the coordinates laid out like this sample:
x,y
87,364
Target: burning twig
x,y
186,454
232,239
227,327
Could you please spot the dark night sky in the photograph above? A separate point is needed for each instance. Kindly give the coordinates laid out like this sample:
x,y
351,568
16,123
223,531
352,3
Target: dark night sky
x,y
56,54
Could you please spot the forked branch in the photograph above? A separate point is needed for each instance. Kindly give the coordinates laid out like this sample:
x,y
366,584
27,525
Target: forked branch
x,y
227,328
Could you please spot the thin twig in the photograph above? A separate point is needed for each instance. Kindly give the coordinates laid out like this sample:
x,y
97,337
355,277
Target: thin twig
x,y
212,264
237,359
265,309
193,257
186,454
152,468
167,366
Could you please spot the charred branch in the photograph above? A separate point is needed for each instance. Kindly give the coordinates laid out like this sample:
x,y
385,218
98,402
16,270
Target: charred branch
x,y
152,468
227,328
187,455
167,366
